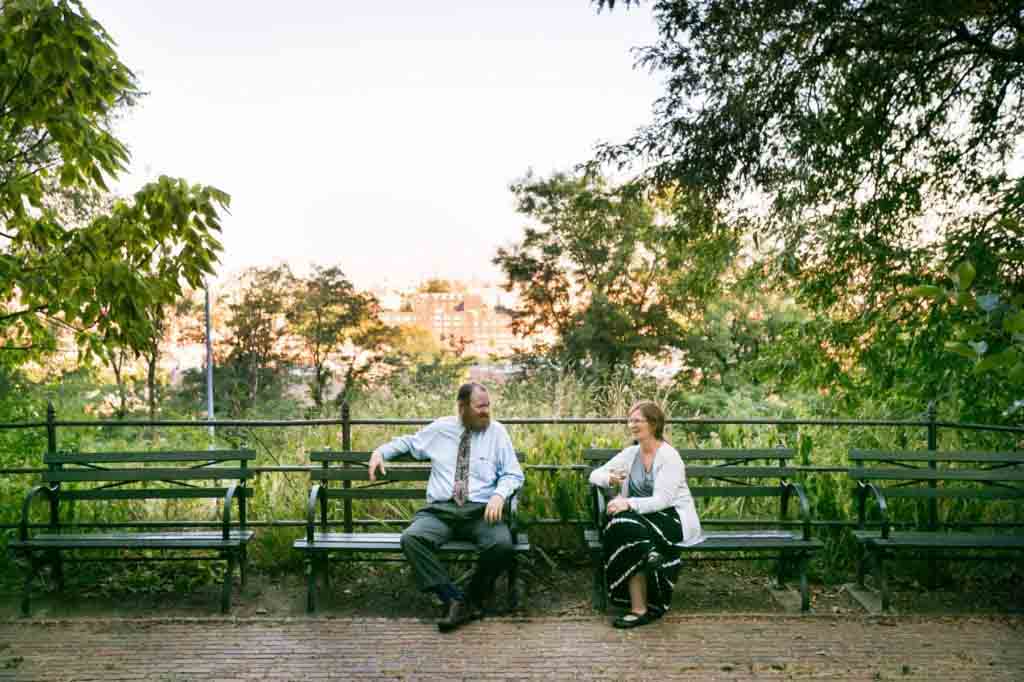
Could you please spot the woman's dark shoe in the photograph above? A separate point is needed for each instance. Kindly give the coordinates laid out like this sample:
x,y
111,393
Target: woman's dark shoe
x,y
654,560
632,620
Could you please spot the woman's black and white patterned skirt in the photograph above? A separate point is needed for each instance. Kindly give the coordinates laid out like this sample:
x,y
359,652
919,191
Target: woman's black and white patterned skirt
x,y
628,538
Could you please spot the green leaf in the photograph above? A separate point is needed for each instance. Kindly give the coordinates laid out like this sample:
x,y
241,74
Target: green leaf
x,y
965,273
961,349
928,291
1007,358
1014,322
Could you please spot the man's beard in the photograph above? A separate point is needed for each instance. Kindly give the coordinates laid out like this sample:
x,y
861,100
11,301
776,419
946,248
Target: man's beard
x,y
476,423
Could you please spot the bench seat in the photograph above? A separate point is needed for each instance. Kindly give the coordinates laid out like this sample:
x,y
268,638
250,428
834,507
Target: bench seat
x,y
939,539
735,541
178,540
386,542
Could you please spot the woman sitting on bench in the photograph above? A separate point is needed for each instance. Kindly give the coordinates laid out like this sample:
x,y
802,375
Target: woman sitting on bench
x,y
652,515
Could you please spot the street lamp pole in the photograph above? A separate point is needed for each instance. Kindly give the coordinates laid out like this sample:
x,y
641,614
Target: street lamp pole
x,y
209,369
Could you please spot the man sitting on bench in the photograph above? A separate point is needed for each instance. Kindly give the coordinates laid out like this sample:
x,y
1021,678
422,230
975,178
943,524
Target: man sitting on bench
x,y
473,471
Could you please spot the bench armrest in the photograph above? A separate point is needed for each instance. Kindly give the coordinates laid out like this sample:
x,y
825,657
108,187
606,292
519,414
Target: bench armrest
x,y
598,506
790,488
314,497
509,513
226,523
883,508
38,490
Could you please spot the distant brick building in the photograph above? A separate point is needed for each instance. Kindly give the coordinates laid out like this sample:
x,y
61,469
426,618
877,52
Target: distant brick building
x,y
457,319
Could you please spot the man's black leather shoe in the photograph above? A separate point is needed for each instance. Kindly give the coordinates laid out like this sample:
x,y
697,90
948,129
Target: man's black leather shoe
x,y
459,613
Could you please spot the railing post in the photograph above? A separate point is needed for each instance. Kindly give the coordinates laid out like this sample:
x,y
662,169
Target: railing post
x,y
51,429
346,444
933,445
51,449
933,503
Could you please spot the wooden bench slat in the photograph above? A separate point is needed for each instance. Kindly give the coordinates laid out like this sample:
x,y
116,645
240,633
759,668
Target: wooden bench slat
x,y
988,493
387,542
339,456
936,456
925,540
145,474
735,491
368,493
737,541
361,457
900,474
152,493
195,540
153,456
602,455
743,471
394,474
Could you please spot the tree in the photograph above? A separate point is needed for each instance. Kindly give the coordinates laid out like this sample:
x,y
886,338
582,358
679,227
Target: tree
x,y
877,139
257,325
436,286
61,84
328,314
609,269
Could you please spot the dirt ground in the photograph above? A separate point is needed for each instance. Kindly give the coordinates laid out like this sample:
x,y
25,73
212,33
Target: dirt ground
x,y
550,585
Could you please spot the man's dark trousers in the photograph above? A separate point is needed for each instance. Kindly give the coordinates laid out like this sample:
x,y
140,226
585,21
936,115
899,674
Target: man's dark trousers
x,y
439,522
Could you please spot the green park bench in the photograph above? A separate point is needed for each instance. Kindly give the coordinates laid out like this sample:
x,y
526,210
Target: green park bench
x,y
735,473
111,478
932,477
333,482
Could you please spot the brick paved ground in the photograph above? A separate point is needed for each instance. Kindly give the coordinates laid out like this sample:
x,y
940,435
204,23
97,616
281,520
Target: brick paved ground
x,y
733,647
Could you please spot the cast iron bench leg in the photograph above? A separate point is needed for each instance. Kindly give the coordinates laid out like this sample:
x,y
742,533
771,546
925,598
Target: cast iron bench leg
x,y
243,565
805,595
225,597
780,577
311,565
862,563
58,569
600,595
26,599
883,583
513,577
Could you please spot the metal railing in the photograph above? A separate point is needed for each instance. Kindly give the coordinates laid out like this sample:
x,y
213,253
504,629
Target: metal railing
x,y
930,424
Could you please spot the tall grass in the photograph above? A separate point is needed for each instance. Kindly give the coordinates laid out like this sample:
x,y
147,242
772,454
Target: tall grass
x,y
561,494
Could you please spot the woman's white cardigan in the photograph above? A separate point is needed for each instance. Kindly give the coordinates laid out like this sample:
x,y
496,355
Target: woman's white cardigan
x,y
670,488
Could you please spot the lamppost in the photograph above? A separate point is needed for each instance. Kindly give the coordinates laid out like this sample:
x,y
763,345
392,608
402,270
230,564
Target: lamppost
x,y
209,369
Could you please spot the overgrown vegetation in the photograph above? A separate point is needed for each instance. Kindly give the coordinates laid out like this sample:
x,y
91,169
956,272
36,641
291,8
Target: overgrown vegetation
x,y
826,223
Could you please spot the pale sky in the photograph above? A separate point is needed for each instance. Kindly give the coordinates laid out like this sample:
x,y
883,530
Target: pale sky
x,y
377,136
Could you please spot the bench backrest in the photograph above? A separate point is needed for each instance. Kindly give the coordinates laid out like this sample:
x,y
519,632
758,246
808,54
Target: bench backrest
x,y
339,469
731,472
161,475
934,475
344,476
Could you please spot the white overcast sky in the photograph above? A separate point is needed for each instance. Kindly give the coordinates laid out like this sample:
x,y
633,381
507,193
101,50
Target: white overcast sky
x,y
377,136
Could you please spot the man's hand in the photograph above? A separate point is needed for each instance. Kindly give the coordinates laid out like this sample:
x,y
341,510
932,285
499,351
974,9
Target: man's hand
x,y
376,462
619,504
495,508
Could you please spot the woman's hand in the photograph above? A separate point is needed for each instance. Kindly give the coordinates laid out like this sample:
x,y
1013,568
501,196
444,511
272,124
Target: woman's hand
x,y
616,477
619,504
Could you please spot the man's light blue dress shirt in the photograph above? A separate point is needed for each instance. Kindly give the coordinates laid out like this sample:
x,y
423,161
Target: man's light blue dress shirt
x,y
493,466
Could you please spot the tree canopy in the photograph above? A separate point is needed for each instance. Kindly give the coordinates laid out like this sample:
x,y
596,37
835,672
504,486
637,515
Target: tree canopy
x,y
100,274
610,270
873,147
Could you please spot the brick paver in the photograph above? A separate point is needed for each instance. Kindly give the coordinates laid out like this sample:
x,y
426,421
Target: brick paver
x,y
730,647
